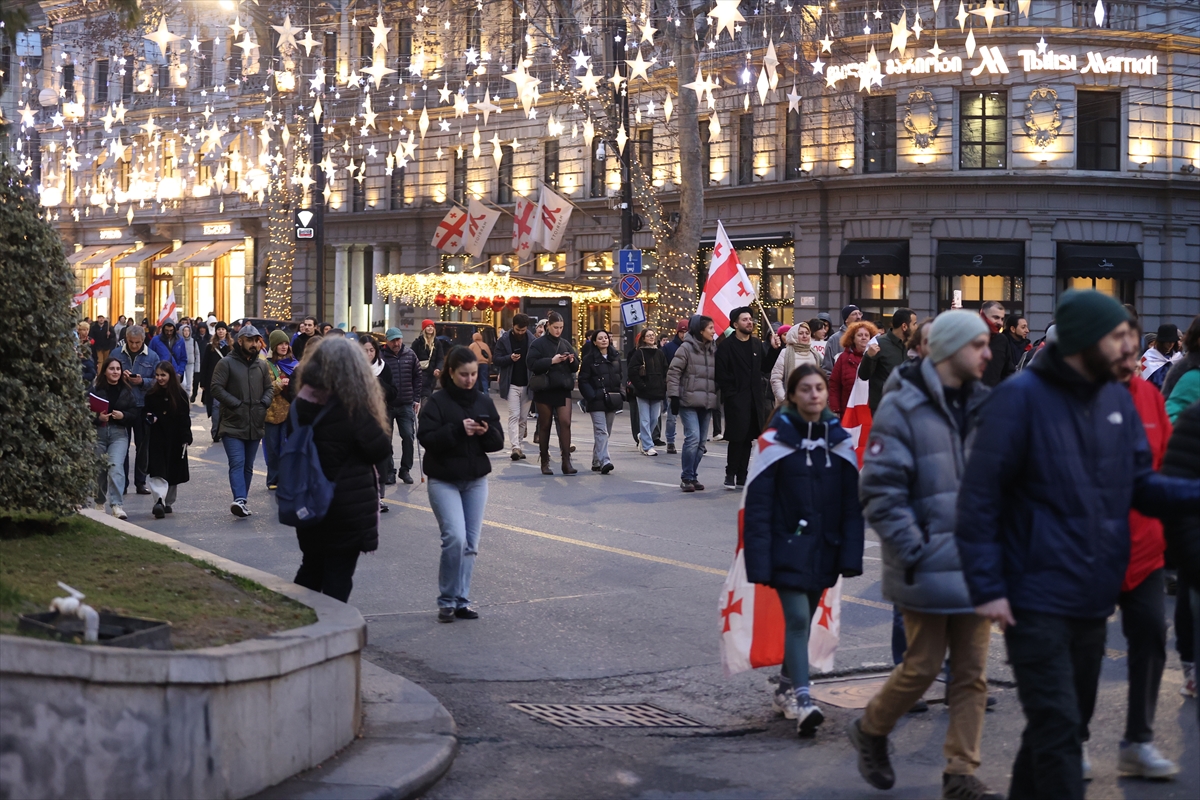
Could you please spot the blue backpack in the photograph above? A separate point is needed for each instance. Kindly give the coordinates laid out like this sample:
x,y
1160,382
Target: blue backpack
x,y
304,493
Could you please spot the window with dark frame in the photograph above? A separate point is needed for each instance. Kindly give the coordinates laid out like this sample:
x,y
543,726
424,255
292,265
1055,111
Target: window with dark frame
x,y
1098,131
101,95
645,151
474,28
358,192
235,61
164,77
978,289
366,50
5,64
68,81
550,163
705,153
404,41
504,175
460,180
599,169
520,27
330,51
983,130
746,148
792,148
204,69
879,296
879,134
396,190
127,80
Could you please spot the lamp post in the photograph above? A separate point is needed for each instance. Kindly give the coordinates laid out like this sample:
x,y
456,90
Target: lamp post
x,y
618,47
318,201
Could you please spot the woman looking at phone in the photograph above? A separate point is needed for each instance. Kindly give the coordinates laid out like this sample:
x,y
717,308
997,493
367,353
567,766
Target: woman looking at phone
x,y
458,426
553,362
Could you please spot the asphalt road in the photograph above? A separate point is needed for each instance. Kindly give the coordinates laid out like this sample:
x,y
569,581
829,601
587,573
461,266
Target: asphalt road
x,y
605,589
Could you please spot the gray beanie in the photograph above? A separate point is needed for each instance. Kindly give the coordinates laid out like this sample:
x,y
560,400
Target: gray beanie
x,y
951,331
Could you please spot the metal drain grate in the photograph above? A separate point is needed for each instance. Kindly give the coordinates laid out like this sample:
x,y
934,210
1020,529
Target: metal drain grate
x,y
606,715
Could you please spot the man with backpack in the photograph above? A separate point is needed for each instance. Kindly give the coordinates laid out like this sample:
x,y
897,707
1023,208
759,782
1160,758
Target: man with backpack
x,y
242,383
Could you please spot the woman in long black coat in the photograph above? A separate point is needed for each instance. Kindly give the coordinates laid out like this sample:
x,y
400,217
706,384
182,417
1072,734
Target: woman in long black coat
x,y
603,395
169,424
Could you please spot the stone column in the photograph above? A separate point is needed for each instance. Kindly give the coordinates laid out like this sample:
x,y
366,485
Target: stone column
x,y
379,267
1041,291
355,319
393,268
341,285
922,283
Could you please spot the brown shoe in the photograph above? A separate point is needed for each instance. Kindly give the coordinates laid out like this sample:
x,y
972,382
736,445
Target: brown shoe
x,y
546,465
566,466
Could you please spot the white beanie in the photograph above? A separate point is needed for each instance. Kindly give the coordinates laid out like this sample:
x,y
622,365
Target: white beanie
x,y
952,331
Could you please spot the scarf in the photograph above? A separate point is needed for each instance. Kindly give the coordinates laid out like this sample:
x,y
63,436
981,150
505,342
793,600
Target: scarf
x,y
287,365
464,397
1153,361
813,437
377,367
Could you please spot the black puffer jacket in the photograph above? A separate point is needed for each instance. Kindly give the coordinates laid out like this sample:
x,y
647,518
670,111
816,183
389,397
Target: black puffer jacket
x,y
348,449
451,455
1182,460
648,374
600,377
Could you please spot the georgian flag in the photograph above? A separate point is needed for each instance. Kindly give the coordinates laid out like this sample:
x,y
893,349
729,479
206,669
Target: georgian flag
x,y
168,310
480,221
554,214
856,419
752,626
728,286
450,231
525,221
101,287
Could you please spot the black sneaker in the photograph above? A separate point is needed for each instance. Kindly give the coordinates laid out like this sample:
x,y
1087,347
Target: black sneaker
x,y
160,510
383,509
686,486
606,468
406,476
873,762
808,718
671,450
445,615
966,787
167,509
730,482
698,486
466,613
143,490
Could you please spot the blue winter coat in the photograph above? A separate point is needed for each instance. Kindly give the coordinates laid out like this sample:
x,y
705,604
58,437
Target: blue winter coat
x,y
778,551
175,353
1043,512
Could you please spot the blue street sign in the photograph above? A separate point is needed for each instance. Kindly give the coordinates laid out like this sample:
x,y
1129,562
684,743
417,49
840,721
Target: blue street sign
x,y
630,286
633,313
629,262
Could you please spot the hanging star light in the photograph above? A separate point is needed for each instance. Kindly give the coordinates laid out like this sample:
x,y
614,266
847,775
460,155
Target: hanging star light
x,y
119,111
970,43
162,37
622,138
727,16
582,61
317,110
827,44
107,119
461,106
444,92
497,148
589,82
648,32
317,81
702,86
369,114
236,27
818,66
714,127
989,13
308,42
962,16
149,126
287,33
1041,46
900,34
616,79
423,122
794,100
477,149
247,45
916,27
589,133
935,51
444,125
638,67
1099,14
668,107
771,65
378,71
486,108
380,33
1023,7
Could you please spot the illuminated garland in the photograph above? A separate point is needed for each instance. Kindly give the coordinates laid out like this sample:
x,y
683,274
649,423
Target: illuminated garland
x,y
281,251
425,290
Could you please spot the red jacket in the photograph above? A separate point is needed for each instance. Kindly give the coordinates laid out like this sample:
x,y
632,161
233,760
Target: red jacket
x,y
841,380
1146,533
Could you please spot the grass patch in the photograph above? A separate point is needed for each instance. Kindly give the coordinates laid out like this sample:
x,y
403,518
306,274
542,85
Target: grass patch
x,y
133,577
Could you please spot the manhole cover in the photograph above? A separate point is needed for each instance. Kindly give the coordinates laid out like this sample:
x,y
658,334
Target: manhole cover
x,y
606,715
849,692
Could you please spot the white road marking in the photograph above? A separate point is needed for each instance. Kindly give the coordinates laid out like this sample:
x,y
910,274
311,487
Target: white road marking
x,y
659,483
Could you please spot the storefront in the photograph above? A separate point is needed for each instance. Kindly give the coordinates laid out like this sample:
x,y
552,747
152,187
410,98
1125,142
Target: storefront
x,y
89,263
972,272
209,277
770,263
875,276
1112,268
131,276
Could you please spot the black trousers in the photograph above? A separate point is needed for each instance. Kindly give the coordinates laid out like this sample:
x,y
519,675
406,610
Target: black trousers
x,y
737,461
330,573
1144,623
1185,641
1056,661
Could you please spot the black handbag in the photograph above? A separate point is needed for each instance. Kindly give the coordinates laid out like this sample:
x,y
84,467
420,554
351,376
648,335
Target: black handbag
x,y
552,378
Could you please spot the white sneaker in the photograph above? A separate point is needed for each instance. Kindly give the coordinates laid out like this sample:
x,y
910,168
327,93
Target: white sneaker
x,y
1142,760
1189,680
784,700
1087,764
119,512
650,452
808,719
238,508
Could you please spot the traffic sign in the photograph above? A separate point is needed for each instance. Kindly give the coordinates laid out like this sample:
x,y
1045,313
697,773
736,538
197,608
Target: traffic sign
x,y
304,229
629,262
630,286
633,313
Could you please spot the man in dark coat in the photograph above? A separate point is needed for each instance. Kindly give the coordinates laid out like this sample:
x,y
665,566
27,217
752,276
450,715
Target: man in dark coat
x,y
405,370
103,339
1016,332
998,368
1059,458
1182,460
308,332
509,356
886,353
743,370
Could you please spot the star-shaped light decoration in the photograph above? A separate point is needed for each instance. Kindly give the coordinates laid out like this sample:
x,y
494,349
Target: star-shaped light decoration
x,y
522,80
589,82
900,34
461,106
668,107
476,146
1041,46
935,51
444,93
878,13
703,87
714,127
989,12
308,42
727,16
638,67
380,33
417,65
581,60
486,108
1099,14
162,37
56,120
970,43
287,33
1023,7
107,119
317,81
616,79
377,71
771,64
827,44
818,66
916,27
648,31
119,111
236,27
497,148
369,114
195,43
444,125
116,150
793,100
149,126
423,121
247,45
372,152
961,16
589,133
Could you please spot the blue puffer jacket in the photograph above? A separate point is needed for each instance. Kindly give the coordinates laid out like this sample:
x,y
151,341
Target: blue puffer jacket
x,y
176,352
810,485
1043,513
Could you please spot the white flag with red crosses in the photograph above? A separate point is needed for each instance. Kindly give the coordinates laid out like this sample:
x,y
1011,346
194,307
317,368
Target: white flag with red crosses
x,y
101,287
480,221
728,286
525,220
450,231
555,212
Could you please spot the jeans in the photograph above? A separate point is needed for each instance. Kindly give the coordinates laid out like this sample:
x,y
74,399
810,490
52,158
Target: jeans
x,y
330,573
602,422
1056,661
1144,623
671,418
458,507
240,453
648,411
798,611
481,383
899,638
695,425
518,407
112,445
272,441
405,419
141,461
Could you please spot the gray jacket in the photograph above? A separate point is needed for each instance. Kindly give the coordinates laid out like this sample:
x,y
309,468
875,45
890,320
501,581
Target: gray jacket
x,y
692,376
911,472
244,389
833,346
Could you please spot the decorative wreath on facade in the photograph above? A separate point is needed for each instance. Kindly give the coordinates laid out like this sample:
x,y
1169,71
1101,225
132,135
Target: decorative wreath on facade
x,y
1043,118
921,117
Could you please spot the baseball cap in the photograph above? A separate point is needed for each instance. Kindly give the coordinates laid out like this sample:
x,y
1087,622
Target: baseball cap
x,y
393,333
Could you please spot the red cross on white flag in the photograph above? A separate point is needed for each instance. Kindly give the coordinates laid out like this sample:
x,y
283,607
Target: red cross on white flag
x,y
728,286
101,287
480,221
168,310
525,219
554,216
450,231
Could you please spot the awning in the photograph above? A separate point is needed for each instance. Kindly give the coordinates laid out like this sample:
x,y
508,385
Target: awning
x,y
74,258
106,253
874,258
144,252
980,257
185,252
749,240
1119,261
214,251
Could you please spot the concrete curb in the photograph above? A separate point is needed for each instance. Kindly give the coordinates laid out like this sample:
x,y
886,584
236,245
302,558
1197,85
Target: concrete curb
x,y
407,744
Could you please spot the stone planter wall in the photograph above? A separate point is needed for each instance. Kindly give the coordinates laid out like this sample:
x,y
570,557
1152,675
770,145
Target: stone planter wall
x,y
220,722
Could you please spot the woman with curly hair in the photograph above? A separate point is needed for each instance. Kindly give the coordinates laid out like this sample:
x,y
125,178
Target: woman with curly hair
x,y
845,369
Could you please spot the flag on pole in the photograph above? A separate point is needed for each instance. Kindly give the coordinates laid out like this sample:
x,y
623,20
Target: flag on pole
x,y
856,419
168,310
555,212
525,219
728,286
450,231
480,221
101,287
752,626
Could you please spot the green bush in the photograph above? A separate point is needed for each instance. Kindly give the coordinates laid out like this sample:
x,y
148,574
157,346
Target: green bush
x,y
47,458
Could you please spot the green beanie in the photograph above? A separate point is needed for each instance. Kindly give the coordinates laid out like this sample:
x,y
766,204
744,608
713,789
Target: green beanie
x,y
278,337
1084,318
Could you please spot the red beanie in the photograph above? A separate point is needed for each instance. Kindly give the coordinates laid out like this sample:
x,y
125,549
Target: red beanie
x,y
425,323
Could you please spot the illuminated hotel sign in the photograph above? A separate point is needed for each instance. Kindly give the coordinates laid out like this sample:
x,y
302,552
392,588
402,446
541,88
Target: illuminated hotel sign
x,y
110,233
217,229
992,61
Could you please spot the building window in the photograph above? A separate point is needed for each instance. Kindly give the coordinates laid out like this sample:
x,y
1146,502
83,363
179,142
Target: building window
x,y
879,134
204,70
1120,289
599,167
68,82
396,193
550,164
164,77
975,290
551,262
598,262
879,296
745,173
705,154
645,151
520,27
1098,131
5,64
330,49
504,176
404,39
358,190
127,80
102,81
983,130
366,52
123,175
792,159
460,180
474,28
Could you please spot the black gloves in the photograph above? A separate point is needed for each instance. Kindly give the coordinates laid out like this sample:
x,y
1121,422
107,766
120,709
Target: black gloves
x,y
675,406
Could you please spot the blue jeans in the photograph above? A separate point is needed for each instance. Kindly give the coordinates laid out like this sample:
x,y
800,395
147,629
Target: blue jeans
x,y
899,637
241,453
798,611
648,412
271,444
670,426
405,418
112,445
695,425
481,383
458,507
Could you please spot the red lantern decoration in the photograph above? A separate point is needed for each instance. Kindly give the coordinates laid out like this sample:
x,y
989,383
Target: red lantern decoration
x,y
439,300
455,301
498,303
468,302
514,302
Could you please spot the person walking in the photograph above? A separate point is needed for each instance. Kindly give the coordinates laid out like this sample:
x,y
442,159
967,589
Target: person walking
x,y
553,364
338,396
820,336
283,366
218,347
243,384
670,348
188,379
404,369
306,333
648,377
383,374
1163,352
742,370
139,362
1045,557
803,526
798,350
600,385
511,357
168,345
837,342
104,341
855,340
1001,366
692,389
1181,387
458,427
169,430
114,409
884,354
431,352
1182,460
910,477
1016,328
119,327
483,354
